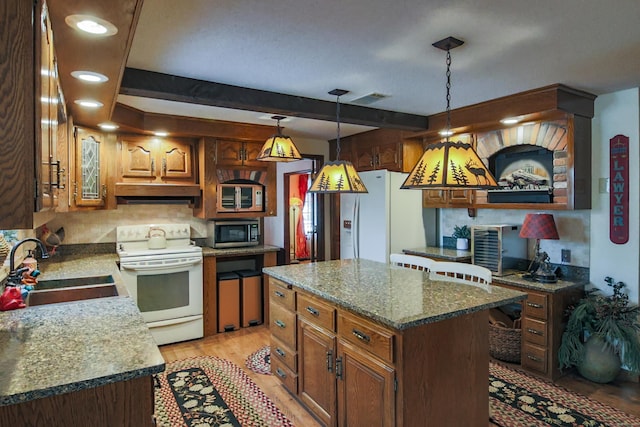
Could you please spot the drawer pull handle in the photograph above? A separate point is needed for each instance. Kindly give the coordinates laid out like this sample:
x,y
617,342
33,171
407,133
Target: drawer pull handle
x,y
278,294
280,323
535,331
339,368
281,373
280,352
534,305
330,360
361,336
313,311
534,358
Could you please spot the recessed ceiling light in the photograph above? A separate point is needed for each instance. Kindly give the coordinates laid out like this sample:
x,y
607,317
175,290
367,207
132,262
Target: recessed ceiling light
x,y
89,76
510,121
91,24
161,133
89,103
108,126
445,132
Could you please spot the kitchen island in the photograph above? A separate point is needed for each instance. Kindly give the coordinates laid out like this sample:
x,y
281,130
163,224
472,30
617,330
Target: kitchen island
x,y
78,363
365,343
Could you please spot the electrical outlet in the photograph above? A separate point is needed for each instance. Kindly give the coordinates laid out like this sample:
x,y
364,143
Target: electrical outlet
x,y
566,255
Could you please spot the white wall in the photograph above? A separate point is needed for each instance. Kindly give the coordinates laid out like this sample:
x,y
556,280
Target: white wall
x,y
615,113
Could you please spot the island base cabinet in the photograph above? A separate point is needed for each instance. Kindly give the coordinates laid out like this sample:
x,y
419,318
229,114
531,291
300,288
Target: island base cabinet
x,y
366,389
121,404
317,380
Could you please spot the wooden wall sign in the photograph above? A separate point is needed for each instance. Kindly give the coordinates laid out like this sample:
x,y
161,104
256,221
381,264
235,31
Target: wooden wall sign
x,y
619,189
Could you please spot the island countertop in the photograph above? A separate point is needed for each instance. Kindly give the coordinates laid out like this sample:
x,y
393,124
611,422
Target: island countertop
x,y
60,348
394,296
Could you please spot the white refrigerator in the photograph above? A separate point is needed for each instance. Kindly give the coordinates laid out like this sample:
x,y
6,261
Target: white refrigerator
x,y
385,220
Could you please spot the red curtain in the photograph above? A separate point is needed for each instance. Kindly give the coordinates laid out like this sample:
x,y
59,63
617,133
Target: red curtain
x,y
302,251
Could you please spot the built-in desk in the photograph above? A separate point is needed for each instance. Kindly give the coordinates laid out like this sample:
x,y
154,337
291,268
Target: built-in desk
x,y
216,260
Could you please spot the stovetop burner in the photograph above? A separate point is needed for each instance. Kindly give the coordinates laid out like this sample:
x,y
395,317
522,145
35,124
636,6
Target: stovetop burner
x,y
133,240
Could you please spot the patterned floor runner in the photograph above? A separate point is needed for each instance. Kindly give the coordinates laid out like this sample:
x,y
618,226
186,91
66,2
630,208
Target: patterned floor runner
x,y
520,400
517,399
208,392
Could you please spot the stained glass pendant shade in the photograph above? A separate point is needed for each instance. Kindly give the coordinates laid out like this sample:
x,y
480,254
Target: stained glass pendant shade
x,y
279,147
449,164
338,176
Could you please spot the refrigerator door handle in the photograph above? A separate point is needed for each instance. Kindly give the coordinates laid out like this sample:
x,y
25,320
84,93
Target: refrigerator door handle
x,y
355,232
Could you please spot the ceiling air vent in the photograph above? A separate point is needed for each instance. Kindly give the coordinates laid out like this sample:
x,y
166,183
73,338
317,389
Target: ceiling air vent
x,y
369,99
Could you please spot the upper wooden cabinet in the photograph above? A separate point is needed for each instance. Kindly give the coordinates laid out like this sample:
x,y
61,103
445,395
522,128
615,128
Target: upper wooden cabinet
x,y
238,153
154,159
380,149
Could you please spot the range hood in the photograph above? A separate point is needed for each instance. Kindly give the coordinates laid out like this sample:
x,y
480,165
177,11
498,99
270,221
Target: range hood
x,y
130,193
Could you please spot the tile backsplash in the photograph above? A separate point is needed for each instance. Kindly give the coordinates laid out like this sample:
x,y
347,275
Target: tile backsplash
x,y
573,228
100,226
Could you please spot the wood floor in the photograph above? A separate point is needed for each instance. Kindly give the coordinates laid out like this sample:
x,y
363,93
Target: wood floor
x,y
236,346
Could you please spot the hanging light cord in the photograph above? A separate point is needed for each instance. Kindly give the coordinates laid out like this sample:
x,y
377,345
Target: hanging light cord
x,y
448,93
338,121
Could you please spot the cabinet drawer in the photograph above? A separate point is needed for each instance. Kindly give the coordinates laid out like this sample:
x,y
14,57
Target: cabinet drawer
x,y
534,358
281,294
317,312
536,305
284,374
283,324
367,335
283,353
535,331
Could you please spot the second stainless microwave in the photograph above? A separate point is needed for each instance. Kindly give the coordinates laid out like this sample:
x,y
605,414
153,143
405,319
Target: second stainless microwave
x,y
232,234
240,198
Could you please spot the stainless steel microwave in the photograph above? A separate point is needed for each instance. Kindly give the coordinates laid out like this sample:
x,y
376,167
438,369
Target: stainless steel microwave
x,y
233,234
240,198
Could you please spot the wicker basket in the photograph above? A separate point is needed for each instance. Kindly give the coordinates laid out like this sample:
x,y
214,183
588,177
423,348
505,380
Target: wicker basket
x,y
505,343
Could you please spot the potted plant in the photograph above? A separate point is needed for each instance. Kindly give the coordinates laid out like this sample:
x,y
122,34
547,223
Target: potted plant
x,y
601,333
462,234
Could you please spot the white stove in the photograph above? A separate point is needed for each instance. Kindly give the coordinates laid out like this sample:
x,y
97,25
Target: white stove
x,y
164,276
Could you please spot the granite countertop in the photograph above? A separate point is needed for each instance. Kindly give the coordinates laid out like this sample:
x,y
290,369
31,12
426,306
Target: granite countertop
x,y
397,297
515,278
440,253
247,250
59,348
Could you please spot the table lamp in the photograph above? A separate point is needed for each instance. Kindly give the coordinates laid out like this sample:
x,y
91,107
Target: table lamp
x,y
540,226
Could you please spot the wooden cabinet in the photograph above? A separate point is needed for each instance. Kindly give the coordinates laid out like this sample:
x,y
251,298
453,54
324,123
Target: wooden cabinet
x,y
94,153
238,153
380,149
457,198
282,324
147,159
126,403
220,161
542,327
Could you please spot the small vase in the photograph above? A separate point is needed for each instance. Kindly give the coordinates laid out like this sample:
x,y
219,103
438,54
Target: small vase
x,y
462,244
600,363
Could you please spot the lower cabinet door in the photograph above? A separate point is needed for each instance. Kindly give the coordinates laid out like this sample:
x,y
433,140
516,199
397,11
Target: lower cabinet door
x,y
366,389
317,381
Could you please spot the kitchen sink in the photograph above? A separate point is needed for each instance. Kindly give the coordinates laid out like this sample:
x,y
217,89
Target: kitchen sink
x,y
72,289
74,281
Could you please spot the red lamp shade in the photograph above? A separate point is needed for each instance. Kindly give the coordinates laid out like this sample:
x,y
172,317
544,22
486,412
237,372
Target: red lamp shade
x,y
539,226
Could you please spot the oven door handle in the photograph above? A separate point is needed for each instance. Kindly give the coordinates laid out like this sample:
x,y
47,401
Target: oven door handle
x,y
166,264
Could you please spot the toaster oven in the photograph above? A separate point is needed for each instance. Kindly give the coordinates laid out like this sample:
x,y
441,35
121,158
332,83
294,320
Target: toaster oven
x,y
497,247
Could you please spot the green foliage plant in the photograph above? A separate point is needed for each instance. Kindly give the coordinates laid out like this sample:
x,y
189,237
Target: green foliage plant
x,y
611,317
461,232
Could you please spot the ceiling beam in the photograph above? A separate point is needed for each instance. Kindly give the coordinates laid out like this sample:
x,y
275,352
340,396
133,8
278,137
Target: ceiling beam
x,y
150,84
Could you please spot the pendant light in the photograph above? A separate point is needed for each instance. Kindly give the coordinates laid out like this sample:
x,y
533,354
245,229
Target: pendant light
x,y
338,176
279,147
448,164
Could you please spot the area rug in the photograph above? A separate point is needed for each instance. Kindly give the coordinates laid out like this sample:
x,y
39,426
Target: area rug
x,y
260,361
518,399
208,392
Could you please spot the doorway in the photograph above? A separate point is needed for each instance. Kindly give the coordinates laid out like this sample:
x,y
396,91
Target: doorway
x,y
303,216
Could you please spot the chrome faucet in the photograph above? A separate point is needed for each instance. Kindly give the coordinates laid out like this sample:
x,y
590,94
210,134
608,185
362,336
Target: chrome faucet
x,y
13,274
